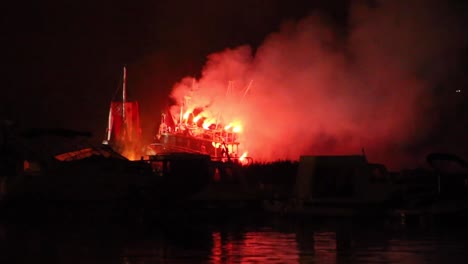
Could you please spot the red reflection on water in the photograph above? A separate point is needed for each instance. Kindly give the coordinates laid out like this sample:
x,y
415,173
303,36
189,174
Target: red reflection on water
x,y
224,250
255,247
276,247
217,249
325,247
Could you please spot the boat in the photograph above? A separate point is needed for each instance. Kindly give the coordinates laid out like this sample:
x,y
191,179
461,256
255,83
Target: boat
x,y
60,166
179,173
51,171
336,186
443,197
43,177
194,132
123,132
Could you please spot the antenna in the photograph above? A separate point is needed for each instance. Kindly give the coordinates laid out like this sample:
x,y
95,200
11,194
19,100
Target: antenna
x,y
109,125
229,88
124,99
124,91
247,89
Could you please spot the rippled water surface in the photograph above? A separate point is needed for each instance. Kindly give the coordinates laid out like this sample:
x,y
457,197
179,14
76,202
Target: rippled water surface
x,y
262,241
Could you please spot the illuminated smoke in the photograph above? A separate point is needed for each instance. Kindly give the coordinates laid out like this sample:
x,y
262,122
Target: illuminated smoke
x,y
314,90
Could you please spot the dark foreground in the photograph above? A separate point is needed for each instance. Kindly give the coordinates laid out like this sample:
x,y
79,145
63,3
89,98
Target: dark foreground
x,y
242,237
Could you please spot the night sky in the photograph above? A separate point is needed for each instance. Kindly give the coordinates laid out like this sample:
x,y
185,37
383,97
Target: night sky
x,y
62,60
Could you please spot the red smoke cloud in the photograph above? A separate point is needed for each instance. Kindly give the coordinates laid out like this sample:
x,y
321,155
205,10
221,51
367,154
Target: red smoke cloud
x,y
309,89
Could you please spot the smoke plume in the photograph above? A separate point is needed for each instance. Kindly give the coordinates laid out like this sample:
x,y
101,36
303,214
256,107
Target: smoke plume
x,y
313,89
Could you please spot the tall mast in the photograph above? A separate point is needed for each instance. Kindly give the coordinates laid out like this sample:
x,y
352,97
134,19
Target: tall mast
x,y
109,125
181,112
124,92
124,99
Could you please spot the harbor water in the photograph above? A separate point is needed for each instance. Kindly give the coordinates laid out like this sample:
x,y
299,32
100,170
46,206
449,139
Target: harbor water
x,y
267,239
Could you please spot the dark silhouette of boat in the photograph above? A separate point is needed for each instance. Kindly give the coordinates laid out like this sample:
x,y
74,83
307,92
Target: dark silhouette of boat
x,y
337,186
57,166
442,195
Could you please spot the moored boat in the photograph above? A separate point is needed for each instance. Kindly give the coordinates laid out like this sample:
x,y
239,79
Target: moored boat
x,y
444,196
337,186
54,170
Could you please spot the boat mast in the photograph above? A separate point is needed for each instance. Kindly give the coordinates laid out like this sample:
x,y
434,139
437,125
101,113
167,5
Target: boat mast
x,y
124,92
109,125
124,99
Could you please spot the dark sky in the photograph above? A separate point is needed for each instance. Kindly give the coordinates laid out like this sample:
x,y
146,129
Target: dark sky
x,y
62,60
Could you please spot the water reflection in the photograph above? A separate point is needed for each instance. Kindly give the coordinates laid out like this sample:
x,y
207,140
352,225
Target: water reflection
x,y
310,244
269,246
255,247
265,242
